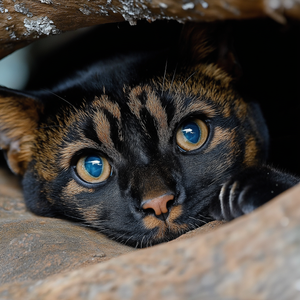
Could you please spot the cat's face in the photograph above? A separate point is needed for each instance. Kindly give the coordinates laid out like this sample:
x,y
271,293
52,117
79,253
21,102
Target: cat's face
x,y
143,170
140,162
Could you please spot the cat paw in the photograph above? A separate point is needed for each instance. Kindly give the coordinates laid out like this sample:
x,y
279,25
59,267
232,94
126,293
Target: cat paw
x,y
249,190
233,201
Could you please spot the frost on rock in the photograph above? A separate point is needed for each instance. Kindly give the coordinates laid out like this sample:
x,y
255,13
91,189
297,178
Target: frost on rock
x,y
204,4
23,10
40,26
187,6
2,9
134,10
46,1
85,11
163,5
13,36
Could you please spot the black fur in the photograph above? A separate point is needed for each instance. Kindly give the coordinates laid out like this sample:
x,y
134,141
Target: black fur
x,y
224,178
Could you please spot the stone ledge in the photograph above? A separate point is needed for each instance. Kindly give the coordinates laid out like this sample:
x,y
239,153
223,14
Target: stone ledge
x,y
253,257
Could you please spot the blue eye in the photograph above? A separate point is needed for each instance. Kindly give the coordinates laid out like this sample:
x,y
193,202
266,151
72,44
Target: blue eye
x,y
192,134
93,168
94,165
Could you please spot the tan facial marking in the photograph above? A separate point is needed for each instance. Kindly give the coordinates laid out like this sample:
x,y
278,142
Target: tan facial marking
x,y
251,151
151,222
104,103
234,145
47,165
219,136
176,211
102,127
73,188
91,214
196,106
68,152
154,107
156,110
134,103
241,109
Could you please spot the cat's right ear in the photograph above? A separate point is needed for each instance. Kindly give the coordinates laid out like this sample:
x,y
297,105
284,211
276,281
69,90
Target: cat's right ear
x,y
210,43
19,118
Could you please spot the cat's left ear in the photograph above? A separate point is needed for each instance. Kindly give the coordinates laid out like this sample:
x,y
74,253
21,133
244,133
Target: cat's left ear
x,y
210,43
19,117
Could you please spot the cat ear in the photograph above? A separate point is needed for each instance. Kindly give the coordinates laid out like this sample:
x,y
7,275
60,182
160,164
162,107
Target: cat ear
x,y
212,43
19,116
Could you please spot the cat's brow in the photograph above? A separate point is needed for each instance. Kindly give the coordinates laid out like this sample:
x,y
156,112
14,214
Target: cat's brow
x,y
154,106
103,130
103,102
70,149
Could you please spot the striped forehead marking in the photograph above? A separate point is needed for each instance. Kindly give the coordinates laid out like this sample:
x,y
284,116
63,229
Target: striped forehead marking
x,y
103,102
103,130
158,112
153,106
102,125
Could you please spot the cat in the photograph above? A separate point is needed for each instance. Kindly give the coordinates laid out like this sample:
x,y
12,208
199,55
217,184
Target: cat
x,y
142,144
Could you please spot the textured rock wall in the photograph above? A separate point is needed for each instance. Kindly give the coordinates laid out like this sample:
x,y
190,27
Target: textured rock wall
x,y
23,21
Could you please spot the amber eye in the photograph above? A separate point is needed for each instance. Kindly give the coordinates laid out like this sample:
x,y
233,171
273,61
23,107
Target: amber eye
x,y
93,168
192,134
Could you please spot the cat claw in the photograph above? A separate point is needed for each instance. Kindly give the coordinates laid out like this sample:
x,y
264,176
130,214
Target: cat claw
x,y
229,198
232,202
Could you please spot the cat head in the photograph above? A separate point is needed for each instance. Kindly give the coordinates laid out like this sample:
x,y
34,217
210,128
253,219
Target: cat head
x,y
139,159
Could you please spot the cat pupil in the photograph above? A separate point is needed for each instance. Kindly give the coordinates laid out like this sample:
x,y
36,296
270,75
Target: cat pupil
x,y
192,132
94,166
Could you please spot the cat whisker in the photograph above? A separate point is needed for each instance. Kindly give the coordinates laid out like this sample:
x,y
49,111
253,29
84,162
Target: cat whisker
x,y
118,238
63,100
163,85
185,82
209,218
73,217
128,240
193,226
174,74
198,220
142,241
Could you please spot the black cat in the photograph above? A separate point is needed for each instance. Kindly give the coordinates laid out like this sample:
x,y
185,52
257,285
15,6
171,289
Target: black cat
x,y
145,143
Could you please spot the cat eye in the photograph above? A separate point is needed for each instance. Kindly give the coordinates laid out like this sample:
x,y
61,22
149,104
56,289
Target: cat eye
x,y
192,134
93,168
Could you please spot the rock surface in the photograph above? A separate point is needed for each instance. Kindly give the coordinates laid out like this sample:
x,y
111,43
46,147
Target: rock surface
x,y
253,257
21,22
33,248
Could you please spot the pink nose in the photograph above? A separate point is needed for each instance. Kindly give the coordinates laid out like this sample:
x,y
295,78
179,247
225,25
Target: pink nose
x,y
159,204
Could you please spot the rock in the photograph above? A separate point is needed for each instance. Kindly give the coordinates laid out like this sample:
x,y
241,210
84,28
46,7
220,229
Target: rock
x,y
253,257
33,247
22,23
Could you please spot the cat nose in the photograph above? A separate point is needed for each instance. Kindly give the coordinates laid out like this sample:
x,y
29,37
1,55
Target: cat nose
x,y
158,204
